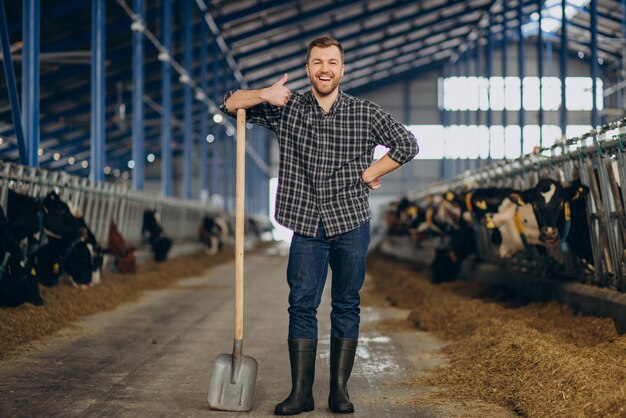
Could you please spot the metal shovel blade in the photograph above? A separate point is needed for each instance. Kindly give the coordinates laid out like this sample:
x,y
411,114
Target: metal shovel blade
x,y
226,394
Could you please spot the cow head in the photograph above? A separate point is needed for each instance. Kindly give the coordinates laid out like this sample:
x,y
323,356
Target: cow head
x,y
58,218
486,201
549,200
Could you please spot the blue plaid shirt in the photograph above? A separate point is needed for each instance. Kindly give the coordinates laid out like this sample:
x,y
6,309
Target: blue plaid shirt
x,y
323,155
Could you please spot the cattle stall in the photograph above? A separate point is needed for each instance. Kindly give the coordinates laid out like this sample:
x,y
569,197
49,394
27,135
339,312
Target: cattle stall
x,y
99,203
596,163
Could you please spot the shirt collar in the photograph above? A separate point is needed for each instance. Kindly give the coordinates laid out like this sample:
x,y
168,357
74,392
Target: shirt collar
x,y
336,105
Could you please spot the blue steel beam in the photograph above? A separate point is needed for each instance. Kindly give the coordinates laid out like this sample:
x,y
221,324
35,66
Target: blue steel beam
x,y
522,74
489,70
563,68
167,171
466,59
622,62
9,73
98,90
540,72
216,146
505,43
188,140
138,91
30,81
204,85
593,27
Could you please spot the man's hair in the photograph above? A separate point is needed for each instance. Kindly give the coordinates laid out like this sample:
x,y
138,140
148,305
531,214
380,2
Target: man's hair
x,y
323,42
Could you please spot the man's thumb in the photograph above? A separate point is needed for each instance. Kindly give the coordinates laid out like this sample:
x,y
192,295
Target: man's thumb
x,y
282,80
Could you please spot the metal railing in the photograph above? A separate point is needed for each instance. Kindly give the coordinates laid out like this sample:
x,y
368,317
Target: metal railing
x,y
100,202
598,160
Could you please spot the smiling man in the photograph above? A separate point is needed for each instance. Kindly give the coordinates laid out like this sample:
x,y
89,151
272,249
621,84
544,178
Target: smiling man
x,y
326,139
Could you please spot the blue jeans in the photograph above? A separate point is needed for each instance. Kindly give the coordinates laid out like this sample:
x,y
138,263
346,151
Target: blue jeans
x,y
309,258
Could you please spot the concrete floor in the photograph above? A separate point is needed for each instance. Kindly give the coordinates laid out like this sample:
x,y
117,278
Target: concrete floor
x,y
154,358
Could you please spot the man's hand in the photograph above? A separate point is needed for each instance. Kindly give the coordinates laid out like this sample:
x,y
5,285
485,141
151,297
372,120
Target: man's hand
x,y
277,94
372,182
371,176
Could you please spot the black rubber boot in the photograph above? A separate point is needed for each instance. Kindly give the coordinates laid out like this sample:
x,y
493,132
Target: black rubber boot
x,y
302,359
342,351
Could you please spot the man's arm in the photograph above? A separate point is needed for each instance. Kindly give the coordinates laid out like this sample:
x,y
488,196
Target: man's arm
x,y
371,176
276,94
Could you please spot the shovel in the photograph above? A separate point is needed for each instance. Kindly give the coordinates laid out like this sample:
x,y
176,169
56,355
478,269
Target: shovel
x,y
234,375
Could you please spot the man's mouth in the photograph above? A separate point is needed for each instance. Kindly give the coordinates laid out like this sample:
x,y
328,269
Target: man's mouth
x,y
325,78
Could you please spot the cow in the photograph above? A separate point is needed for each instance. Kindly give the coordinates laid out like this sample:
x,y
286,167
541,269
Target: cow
x,y
124,255
460,241
561,214
153,232
211,233
57,241
17,286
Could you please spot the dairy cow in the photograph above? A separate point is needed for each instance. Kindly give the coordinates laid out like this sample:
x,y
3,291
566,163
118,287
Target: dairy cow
x,y
17,286
561,214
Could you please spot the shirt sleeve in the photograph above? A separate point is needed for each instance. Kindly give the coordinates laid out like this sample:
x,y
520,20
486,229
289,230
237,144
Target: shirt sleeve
x,y
394,135
263,114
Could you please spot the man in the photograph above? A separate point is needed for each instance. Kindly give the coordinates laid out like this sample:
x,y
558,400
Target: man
x,y
326,141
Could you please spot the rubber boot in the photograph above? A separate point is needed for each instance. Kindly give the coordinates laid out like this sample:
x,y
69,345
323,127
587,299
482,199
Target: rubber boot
x,y
302,359
342,351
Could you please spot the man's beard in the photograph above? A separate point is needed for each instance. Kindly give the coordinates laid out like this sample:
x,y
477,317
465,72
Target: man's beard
x,y
324,89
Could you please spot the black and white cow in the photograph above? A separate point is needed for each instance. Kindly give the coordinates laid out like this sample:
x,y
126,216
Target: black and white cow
x,y
459,240
513,226
56,240
212,234
560,210
152,230
17,286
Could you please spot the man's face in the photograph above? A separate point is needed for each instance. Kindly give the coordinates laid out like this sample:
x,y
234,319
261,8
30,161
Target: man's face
x,y
325,69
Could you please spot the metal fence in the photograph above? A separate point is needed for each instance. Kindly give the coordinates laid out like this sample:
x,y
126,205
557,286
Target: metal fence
x,y
99,203
598,160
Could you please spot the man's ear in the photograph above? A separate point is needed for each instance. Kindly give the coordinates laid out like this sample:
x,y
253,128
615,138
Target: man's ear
x,y
307,70
518,197
343,68
576,192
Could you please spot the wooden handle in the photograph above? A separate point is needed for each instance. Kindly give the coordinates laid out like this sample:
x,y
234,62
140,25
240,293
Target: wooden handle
x,y
240,183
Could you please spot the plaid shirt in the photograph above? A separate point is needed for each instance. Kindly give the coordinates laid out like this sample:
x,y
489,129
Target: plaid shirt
x,y
323,155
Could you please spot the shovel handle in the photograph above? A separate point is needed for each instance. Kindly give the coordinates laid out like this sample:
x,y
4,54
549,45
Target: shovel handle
x,y
240,182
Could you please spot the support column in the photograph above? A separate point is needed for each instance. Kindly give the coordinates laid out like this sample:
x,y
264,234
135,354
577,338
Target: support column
x,y
30,80
9,73
167,175
187,98
505,42
217,131
204,131
489,73
594,61
563,70
98,90
138,88
522,73
540,116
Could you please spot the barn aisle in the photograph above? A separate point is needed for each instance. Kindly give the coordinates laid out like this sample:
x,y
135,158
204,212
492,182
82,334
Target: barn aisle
x,y
154,357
